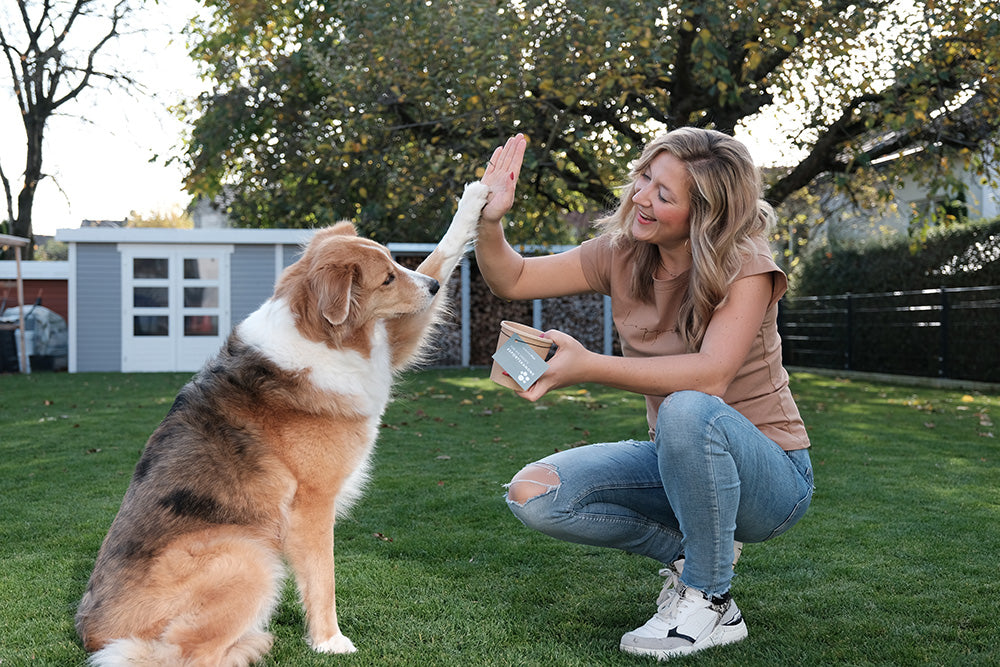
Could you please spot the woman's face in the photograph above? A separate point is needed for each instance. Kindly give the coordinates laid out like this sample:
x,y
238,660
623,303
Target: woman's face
x,y
662,203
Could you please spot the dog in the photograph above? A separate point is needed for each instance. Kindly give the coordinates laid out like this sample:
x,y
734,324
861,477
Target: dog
x,y
259,453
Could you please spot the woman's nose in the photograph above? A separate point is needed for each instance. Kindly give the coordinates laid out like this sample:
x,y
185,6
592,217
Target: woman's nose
x,y
639,196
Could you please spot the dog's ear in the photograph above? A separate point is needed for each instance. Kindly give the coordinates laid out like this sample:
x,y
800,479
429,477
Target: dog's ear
x,y
344,227
332,287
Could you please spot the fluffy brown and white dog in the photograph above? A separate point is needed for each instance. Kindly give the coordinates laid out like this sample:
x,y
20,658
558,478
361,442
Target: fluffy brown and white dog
x,y
257,455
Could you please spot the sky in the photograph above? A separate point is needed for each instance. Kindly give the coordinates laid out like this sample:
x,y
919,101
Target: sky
x,y
99,150
108,153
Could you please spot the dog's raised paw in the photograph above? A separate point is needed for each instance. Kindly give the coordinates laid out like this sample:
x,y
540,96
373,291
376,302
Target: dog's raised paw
x,y
474,197
338,643
463,226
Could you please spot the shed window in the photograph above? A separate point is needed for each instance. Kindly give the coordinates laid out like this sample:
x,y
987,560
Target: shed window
x,y
151,267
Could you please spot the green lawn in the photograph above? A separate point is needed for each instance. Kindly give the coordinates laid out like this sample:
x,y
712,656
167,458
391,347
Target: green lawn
x,y
896,563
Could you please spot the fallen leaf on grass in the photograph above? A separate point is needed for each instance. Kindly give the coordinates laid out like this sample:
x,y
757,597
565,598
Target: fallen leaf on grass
x,y
380,536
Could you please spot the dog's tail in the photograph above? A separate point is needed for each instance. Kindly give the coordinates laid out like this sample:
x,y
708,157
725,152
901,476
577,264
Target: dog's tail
x,y
149,653
131,652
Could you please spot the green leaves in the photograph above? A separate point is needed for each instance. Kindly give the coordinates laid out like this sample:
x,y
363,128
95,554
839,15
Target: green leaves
x,y
380,112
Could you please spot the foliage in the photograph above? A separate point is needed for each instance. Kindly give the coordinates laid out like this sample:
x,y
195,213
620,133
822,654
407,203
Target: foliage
x,y
174,218
52,251
433,569
54,51
379,111
960,255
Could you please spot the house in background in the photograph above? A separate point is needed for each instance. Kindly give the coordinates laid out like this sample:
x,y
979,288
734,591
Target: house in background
x,y
210,213
165,299
844,220
112,224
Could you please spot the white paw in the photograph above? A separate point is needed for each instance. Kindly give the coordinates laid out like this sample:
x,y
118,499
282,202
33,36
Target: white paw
x,y
466,221
474,197
336,644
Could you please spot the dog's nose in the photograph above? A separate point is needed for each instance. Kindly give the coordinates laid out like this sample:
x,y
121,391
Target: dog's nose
x,y
434,287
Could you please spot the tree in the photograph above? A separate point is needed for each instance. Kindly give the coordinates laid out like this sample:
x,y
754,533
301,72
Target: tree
x,y
174,217
52,50
379,111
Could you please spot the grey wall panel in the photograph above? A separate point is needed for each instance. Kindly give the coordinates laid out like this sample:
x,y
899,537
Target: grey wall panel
x,y
291,253
252,275
99,308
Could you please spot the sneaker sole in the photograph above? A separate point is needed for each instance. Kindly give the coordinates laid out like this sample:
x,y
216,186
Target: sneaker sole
x,y
721,636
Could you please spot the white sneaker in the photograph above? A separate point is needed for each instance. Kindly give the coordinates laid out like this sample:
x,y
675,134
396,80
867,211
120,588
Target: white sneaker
x,y
666,605
673,575
687,622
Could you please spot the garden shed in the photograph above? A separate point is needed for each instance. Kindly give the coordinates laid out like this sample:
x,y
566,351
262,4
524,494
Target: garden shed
x,y
165,299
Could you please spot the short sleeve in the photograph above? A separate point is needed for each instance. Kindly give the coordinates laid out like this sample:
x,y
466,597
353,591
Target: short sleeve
x,y
596,257
762,261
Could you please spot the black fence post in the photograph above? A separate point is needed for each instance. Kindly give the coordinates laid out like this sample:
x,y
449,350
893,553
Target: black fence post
x,y
849,324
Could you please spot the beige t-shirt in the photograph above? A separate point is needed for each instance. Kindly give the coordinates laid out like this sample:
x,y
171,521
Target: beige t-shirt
x,y
760,389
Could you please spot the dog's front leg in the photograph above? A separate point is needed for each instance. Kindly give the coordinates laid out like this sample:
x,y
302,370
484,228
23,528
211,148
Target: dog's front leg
x,y
309,548
462,230
407,334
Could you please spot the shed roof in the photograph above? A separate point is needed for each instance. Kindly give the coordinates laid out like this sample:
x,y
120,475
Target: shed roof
x,y
163,235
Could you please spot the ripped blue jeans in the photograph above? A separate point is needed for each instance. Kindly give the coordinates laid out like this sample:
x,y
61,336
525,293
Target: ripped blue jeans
x,y
710,477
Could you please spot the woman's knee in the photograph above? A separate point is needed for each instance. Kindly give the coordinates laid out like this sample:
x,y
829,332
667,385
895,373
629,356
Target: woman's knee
x,y
686,411
533,481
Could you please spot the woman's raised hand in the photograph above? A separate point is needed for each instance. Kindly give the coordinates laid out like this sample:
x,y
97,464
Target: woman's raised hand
x,y
501,177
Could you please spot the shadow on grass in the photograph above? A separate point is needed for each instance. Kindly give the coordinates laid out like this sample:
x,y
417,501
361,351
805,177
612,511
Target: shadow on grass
x,y
893,564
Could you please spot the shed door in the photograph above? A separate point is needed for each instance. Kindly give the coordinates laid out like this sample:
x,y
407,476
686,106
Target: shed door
x,y
175,305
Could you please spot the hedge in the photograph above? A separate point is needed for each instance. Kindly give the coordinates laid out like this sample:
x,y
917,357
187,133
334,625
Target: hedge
x,y
966,255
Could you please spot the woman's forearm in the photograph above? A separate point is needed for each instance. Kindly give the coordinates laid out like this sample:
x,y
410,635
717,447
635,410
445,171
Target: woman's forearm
x,y
499,264
659,376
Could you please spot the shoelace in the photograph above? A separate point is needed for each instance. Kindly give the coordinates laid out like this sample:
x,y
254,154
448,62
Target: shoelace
x,y
671,585
670,594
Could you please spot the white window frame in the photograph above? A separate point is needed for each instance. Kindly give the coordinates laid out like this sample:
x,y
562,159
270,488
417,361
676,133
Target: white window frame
x,y
175,351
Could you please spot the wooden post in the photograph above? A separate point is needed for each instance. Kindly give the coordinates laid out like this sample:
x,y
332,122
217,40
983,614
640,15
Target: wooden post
x,y
18,243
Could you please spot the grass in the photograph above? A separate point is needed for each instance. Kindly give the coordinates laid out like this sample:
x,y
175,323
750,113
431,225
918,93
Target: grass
x,y
895,564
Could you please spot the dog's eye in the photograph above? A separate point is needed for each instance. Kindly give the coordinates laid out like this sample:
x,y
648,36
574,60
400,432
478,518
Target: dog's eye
x,y
389,279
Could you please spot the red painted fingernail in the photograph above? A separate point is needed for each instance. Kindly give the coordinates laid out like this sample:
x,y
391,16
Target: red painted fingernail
x,y
512,176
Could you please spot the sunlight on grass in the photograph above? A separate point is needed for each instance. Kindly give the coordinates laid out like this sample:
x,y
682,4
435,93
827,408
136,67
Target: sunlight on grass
x,y
895,563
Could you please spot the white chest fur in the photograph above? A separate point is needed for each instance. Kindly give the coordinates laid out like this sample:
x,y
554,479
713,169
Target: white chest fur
x,y
367,380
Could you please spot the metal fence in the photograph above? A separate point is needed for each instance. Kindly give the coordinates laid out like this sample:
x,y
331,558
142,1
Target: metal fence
x,y
946,332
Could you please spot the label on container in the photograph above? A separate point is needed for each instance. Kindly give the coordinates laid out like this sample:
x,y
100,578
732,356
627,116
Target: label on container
x,y
520,361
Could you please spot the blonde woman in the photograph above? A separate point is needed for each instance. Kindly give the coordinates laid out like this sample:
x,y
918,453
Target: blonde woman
x,y
694,293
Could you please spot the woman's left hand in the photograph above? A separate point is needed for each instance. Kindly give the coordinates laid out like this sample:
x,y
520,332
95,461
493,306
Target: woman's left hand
x,y
566,367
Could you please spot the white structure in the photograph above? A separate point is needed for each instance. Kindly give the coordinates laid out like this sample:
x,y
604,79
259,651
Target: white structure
x,y
166,299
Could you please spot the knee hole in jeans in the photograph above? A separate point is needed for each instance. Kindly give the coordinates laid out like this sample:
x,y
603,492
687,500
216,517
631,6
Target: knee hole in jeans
x,y
534,480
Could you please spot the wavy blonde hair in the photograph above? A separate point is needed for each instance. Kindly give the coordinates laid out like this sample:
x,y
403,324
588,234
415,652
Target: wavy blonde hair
x,y
727,214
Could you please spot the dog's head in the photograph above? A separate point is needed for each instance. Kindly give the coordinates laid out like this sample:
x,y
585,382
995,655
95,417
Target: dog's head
x,y
343,281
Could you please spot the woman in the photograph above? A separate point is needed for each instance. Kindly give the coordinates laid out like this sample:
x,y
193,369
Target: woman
x,y
694,293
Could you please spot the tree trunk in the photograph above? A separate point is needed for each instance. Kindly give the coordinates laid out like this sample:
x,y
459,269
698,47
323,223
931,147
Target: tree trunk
x,y
32,175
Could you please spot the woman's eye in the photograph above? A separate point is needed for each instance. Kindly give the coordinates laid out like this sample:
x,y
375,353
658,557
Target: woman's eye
x,y
389,279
